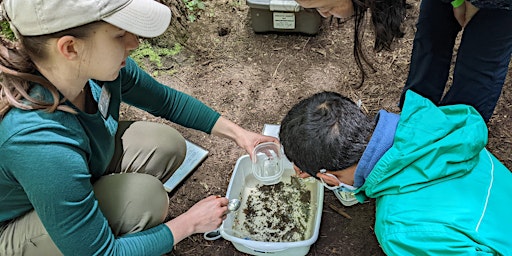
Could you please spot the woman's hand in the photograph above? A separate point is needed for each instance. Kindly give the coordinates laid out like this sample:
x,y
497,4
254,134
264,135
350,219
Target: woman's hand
x,y
464,13
206,215
243,138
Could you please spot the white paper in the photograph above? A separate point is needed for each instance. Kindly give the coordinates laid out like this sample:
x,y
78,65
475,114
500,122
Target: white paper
x,y
195,155
271,130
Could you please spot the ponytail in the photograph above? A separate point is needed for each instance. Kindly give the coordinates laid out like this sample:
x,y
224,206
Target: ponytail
x,y
386,18
17,71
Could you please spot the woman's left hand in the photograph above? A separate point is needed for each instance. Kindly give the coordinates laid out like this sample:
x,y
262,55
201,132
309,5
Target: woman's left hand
x,y
243,138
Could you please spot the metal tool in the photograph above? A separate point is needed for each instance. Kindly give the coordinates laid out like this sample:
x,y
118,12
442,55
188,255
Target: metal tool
x,y
233,205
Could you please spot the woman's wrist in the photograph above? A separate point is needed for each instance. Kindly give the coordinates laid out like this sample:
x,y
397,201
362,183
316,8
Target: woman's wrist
x,y
180,228
226,129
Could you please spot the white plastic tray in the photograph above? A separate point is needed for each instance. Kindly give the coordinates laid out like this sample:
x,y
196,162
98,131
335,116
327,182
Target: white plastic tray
x,y
240,174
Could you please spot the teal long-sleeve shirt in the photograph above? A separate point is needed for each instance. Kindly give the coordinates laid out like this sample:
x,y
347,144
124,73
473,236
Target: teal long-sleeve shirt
x,y
47,161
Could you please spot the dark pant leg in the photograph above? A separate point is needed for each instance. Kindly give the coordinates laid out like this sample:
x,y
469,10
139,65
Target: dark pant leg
x,y
432,50
482,61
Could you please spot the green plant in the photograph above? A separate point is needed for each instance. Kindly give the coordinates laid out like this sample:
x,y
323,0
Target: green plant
x,y
5,30
236,3
153,54
194,7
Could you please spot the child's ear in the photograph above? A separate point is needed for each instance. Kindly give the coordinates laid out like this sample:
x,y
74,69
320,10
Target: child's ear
x,y
300,173
68,47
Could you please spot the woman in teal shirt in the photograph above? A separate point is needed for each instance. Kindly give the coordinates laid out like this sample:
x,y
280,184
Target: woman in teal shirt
x,y
75,180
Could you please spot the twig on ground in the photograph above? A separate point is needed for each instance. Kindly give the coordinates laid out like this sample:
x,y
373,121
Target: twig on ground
x,y
279,64
307,41
340,211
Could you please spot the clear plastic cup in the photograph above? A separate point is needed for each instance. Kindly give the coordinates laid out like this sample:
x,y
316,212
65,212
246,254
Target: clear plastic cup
x,y
268,165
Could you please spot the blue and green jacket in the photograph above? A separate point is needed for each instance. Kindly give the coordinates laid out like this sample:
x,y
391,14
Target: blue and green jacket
x,y
438,190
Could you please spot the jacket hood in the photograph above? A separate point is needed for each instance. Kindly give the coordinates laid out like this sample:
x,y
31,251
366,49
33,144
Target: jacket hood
x,y
431,144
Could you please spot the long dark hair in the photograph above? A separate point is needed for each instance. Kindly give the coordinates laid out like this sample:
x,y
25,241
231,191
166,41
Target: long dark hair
x,y
386,18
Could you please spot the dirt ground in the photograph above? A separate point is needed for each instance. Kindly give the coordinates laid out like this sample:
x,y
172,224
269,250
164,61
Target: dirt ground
x,y
254,79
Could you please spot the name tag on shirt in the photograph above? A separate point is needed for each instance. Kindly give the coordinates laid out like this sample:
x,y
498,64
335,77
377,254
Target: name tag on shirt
x,y
104,102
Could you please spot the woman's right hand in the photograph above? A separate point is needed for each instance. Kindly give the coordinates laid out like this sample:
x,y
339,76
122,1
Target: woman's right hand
x,y
206,215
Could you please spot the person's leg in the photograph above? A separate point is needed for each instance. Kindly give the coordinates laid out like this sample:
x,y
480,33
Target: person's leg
x,y
432,50
146,147
133,199
27,236
482,61
131,202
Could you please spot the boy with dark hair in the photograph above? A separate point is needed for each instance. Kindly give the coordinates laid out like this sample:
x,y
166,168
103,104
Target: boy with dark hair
x,y
438,190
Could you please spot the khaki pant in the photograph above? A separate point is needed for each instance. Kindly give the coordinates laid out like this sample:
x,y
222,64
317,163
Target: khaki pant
x,y
131,196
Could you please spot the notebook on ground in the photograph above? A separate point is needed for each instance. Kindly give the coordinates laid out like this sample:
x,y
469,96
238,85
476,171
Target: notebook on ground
x,y
195,155
271,130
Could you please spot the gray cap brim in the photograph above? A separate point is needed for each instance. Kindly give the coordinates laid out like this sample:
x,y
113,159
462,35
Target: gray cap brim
x,y
145,18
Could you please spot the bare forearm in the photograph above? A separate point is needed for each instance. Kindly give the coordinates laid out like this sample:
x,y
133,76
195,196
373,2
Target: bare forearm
x,y
226,129
180,228
243,138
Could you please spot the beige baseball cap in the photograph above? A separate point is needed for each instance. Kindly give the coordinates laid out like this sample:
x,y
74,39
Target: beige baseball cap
x,y
146,18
